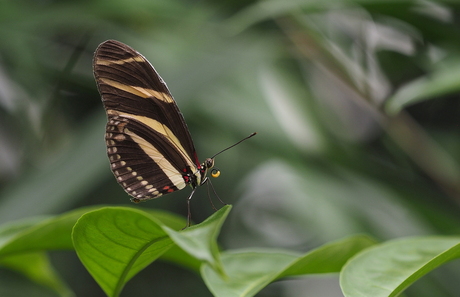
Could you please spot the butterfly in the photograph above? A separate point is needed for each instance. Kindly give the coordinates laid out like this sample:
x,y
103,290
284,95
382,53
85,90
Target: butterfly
x,y
149,146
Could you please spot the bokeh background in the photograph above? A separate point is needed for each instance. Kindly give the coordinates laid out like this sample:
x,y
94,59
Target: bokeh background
x,y
356,105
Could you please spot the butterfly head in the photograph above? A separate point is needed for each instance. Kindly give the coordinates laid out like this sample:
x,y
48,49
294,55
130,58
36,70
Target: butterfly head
x,y
208,164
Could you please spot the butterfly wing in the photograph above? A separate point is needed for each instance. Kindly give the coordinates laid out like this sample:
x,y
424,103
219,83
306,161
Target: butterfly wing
x,y
148,143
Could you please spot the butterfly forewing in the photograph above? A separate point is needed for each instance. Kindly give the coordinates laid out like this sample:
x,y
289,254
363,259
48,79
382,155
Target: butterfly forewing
x,y
148,143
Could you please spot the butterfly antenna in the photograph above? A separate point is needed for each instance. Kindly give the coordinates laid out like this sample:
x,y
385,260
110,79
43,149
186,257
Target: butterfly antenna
x,y
234,144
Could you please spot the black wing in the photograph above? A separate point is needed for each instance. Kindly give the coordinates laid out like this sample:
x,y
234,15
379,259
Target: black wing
x,y
148,142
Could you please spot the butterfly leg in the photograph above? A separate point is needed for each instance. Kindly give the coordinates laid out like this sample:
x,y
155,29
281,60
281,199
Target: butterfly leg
x,y
215,193
189,211
209,184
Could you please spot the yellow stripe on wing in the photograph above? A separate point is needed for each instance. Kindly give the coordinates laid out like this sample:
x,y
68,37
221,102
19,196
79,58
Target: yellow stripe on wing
x,y
158,127
138,58
138,91
174,175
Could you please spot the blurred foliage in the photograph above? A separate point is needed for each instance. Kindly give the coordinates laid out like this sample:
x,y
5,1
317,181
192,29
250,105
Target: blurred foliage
x,y
356,105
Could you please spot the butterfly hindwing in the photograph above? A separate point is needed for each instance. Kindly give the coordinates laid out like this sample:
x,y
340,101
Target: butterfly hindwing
x,y
148,143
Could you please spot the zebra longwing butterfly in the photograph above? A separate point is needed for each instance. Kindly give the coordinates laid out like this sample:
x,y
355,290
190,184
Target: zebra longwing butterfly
x,y
149,145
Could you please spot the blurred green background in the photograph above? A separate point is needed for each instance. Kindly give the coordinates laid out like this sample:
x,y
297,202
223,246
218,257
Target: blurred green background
x,y
356,105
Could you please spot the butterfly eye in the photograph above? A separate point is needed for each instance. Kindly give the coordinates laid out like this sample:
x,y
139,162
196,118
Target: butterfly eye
x,y
215,173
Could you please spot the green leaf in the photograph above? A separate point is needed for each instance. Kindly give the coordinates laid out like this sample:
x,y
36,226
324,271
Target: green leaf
x,y
9,231
171,220
180,257
37,267
251,270
36,235
115,243
271,9
175,254
330,257
436,84
20,240
389,268
248,271
22,243
200,240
